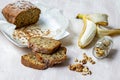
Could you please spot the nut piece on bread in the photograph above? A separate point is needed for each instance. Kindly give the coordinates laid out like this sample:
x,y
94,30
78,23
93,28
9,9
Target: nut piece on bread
x,y
57,57
29,60
43,45
21,13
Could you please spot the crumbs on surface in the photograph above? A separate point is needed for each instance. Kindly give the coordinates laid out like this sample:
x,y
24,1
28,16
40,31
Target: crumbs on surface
x,y
80,65
25,33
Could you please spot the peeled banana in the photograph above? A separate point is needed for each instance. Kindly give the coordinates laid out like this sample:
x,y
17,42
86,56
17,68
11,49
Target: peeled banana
x,y
94,25
88,33
99,19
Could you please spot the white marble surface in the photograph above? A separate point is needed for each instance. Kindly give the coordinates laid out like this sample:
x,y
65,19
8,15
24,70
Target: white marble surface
x,y
106,69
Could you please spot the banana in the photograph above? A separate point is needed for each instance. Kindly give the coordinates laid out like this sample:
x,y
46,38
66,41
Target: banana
x,y
104,31
88,33
94,25
99,19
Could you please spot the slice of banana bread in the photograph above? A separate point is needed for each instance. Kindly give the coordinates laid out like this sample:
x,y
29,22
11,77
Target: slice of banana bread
x,y
21,13
57,57
30,60
43,45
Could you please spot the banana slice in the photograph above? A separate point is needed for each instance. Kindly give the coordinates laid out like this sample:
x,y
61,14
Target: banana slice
x,y
88,33
104,31
100,19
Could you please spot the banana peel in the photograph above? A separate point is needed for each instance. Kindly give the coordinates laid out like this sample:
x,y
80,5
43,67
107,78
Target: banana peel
x,y
104,31
98,19
94,25
88,33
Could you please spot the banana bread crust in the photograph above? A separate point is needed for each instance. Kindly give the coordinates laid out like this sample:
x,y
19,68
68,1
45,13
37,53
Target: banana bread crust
x,y
32,63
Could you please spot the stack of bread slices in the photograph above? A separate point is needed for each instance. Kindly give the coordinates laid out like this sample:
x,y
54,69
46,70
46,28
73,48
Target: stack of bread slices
x,y
45,53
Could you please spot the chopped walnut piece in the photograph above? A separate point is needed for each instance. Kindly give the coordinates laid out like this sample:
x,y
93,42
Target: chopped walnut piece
x,y
106,43
76,67
86,71
79,67
99,52
84,61
85,56
76,60
93,62
88,59
80,61
72,67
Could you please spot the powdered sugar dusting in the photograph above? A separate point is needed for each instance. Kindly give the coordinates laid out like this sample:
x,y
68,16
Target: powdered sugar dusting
x,y
23,4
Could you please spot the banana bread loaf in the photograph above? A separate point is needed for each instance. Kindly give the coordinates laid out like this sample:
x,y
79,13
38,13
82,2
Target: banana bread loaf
x,y
57,57
21,13
43,45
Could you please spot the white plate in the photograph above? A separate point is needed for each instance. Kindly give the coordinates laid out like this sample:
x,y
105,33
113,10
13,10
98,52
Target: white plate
x,y
51,19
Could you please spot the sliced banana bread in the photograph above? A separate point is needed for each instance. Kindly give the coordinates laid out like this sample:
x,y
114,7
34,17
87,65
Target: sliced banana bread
x,y
57,57
43,45
21,13
30,60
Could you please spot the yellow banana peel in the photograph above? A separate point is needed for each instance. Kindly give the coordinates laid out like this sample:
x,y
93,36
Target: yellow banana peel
x,y
99,19
104,31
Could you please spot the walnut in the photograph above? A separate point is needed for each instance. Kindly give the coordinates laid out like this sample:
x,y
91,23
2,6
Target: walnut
x,y
76,60
84,61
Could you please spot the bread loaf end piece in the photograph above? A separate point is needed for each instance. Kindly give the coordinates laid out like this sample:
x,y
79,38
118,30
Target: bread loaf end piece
x,y
21,13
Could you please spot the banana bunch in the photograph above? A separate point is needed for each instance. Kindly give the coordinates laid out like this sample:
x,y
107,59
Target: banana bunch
x,y
94,24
